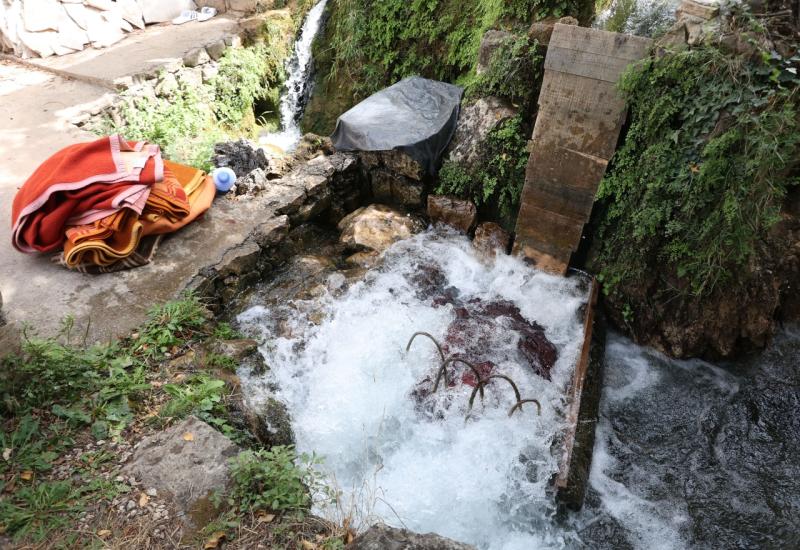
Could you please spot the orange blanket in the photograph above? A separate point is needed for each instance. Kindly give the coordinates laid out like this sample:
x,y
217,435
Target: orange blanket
x,y
181,197
81,184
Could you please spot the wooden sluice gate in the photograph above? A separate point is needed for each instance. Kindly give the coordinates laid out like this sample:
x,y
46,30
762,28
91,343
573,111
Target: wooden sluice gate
x,y
578,124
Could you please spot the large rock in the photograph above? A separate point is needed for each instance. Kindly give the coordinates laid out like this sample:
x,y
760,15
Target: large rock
x,y
490,43
475,123
490,239
243,5
240,156
383,537
391,187
40,15
188,462
377,227
458,213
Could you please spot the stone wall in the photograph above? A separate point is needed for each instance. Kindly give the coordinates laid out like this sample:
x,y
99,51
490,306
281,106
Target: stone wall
x,y
198,66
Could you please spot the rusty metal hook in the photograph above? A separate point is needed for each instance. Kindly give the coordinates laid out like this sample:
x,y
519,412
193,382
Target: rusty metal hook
x,y
486,381
443,373
438,347
518,405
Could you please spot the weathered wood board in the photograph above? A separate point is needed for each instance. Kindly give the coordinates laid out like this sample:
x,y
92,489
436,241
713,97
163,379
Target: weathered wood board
x,y
576,132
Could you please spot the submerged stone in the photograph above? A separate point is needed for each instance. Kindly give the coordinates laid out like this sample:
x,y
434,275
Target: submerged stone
x,y
490,239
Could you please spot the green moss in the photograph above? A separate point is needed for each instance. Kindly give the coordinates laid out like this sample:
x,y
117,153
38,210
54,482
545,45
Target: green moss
x,y
514,72
712,149
187,124
497,185
368,44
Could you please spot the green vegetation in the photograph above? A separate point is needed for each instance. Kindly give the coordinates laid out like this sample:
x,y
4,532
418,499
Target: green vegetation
x,y
58,390
514,70
712,150
187,118
275,479
499,182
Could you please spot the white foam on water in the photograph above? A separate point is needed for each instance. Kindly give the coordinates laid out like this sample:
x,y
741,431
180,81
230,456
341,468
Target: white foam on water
x,y
648,524
347,383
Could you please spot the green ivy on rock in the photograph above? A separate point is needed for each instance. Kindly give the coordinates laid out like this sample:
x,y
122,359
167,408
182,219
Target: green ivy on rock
x,y
712,149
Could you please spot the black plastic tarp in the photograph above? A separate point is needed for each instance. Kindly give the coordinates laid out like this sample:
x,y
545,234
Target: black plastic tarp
x,y
416,116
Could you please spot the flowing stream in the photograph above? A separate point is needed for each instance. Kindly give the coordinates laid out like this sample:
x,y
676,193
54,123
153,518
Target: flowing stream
x,y
298,83
639,17
688,454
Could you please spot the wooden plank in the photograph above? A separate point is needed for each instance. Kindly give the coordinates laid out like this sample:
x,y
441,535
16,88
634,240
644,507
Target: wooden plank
x,y
623,46
545,226
581,132
570,202
577,94
583,404
598,66
542,260
555,165
576,132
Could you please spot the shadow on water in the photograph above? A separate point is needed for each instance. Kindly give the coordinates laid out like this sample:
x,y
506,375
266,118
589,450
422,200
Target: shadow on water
x,y
691,454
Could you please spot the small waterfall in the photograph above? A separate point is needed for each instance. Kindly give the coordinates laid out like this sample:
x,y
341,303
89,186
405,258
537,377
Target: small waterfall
x,y
639,17
295,96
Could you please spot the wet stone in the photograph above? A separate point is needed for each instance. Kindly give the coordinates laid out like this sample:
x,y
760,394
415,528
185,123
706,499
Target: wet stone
x,y
457,213
490,239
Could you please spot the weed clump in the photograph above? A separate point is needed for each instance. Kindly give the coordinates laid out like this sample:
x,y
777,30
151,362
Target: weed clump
x,y
276,480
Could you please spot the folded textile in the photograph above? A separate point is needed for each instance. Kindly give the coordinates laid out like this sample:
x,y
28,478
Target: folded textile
x,y
142,256
181,197
80,185
105,241
200,192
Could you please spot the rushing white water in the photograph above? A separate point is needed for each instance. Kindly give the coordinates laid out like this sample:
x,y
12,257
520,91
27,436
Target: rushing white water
x,y
295,95
638,17
348,382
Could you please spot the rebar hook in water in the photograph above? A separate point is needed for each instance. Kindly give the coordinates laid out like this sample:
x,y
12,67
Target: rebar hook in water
x,y
438,347
518,405
443,373
486,381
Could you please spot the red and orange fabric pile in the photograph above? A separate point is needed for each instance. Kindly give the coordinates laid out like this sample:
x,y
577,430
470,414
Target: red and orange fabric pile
x,y
106,204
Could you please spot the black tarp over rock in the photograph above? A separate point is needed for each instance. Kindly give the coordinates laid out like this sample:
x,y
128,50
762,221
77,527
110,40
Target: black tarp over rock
x,y
416,116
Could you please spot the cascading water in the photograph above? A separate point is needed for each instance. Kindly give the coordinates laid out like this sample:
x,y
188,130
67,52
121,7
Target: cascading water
x,y
297,87
350,387
688,454
638,17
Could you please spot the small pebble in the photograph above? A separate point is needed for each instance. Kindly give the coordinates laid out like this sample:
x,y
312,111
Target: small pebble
x,y
151,492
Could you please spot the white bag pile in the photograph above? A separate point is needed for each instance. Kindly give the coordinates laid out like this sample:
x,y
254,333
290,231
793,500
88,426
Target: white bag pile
x,y
41,28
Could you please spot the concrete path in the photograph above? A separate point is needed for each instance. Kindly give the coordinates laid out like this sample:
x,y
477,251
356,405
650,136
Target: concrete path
x,y
35,110
141,52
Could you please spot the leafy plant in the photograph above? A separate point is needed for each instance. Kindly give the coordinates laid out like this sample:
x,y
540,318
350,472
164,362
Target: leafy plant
x,y
25,449
514,71
711,152
221,361
275,479
498,183
199,394
224,331
168,325
36,511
